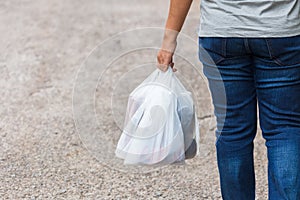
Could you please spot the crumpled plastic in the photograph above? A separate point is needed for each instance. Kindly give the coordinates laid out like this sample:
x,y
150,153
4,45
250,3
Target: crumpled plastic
x,y
161,124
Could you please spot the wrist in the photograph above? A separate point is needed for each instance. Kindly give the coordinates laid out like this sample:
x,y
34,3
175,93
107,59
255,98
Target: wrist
x,y
170,35
169,41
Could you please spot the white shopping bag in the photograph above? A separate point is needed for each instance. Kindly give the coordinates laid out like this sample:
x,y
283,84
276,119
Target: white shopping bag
x,y
161,125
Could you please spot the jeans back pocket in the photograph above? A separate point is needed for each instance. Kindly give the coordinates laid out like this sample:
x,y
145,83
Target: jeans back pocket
x,y
285,50
212,50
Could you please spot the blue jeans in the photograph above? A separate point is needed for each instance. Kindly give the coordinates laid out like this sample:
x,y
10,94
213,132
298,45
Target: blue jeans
x,y
245,74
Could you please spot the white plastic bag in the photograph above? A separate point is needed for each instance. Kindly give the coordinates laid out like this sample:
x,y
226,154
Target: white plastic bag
x,y
161,125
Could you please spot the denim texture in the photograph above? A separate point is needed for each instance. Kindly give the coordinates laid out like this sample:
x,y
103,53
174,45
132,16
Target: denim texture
x,y
245,74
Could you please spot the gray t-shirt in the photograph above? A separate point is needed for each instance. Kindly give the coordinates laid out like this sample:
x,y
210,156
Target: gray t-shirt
x,y
249,18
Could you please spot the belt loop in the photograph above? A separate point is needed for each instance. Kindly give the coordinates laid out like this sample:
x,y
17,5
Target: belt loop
x,y
224,41
247,47
269,48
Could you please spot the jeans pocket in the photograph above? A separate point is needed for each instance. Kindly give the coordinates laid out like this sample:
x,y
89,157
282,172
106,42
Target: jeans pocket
x,y
212,50
285,51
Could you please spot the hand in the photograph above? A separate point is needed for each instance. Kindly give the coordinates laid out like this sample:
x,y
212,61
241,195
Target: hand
x,y
178,11
165,54
164,60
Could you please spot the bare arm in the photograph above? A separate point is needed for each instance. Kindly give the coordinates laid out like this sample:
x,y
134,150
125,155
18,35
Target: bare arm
x,y
178,11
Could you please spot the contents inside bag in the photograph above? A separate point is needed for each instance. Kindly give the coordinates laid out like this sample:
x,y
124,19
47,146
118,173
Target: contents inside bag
x,y
161,125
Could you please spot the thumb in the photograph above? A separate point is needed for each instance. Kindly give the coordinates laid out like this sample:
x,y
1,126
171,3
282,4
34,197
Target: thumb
x,y
172,66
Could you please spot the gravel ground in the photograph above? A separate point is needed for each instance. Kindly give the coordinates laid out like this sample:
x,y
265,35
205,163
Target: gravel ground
x,y
43,46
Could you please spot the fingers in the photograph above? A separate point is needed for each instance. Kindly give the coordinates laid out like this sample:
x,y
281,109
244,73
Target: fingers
x,y
162,67
164,60
172,66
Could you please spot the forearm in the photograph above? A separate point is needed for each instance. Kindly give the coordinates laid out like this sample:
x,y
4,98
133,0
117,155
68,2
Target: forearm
x,y
178,11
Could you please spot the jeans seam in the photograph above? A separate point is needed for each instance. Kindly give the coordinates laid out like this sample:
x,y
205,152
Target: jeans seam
x,y
221,53
218,139
219,61
224,41
246,45
269,46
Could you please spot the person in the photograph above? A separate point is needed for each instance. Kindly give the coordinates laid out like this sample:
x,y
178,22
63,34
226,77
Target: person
x,y
253,65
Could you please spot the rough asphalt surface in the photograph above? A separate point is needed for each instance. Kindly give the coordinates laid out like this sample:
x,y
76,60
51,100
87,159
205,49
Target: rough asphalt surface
x,y
43,44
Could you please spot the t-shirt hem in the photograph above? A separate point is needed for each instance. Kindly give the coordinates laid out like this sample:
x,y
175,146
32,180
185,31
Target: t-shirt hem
x,y
244,34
